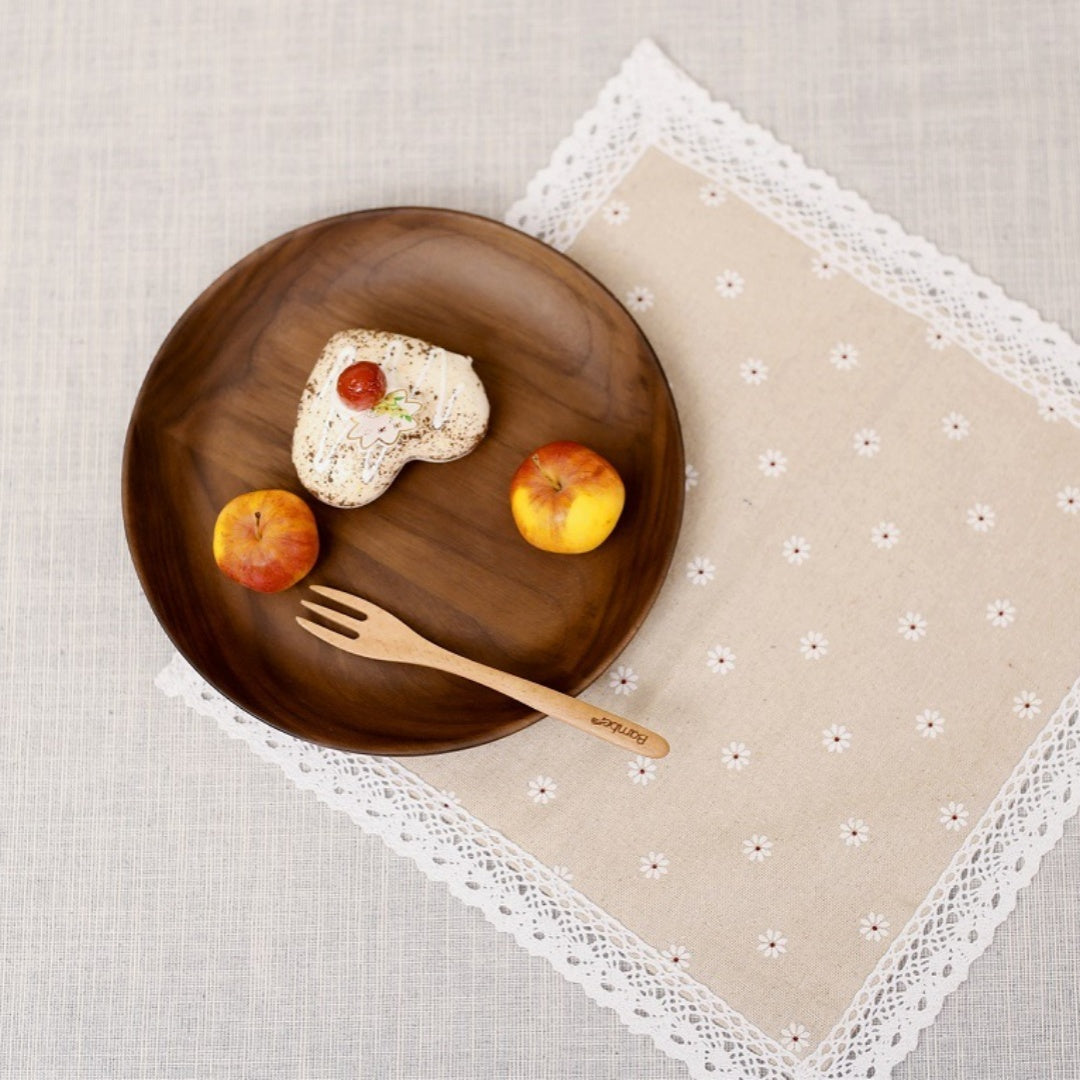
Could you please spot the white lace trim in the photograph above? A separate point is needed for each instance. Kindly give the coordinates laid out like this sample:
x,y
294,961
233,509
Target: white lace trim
x,y
515,892
520,895
651,103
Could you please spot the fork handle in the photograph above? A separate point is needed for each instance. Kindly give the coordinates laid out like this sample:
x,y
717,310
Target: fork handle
x,y
629,735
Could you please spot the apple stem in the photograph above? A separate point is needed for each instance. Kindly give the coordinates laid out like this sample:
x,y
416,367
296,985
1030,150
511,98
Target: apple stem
x,y
258,524
552,480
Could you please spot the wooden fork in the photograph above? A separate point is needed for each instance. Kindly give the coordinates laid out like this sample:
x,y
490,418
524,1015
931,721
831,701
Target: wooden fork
x,y
378,635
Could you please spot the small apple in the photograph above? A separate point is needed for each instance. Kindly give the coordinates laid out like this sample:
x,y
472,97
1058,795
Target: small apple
x,y
566,498
266,540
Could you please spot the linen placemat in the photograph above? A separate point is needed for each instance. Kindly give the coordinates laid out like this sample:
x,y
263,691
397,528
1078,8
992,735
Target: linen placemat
x,y
865,652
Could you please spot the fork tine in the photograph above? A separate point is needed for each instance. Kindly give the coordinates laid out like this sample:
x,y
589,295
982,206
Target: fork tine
x,y
331,637
354,603
333,615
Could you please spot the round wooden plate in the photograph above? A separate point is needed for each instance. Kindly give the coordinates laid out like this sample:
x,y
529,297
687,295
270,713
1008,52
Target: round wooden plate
x,y
560,359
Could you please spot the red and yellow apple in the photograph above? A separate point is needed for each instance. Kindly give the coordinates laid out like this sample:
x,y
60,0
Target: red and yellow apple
x,y
566,498
266,540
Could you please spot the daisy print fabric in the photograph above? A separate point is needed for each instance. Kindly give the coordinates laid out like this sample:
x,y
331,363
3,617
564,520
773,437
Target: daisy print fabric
x,y
852,638
862,639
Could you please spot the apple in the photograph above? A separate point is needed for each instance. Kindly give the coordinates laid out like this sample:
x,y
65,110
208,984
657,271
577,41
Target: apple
x,y
266,540
566,498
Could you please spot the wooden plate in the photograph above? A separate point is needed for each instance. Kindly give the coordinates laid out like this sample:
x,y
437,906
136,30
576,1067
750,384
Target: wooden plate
x,y
560,359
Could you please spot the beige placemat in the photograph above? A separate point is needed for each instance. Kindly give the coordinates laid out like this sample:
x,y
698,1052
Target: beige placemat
x,y
867,624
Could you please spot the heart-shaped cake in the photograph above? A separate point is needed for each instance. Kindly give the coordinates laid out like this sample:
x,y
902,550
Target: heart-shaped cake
x,y
375,401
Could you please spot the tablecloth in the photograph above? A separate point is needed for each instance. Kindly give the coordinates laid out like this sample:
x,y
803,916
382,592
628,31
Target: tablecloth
x,y
171,909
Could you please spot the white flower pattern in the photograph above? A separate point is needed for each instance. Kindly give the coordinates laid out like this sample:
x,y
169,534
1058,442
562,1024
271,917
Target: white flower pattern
x,y
754,372
640,298
956,426
772,463
1026,704
836,739
981,518
874,927
772,944
796,550
641,770
867,442
930,723
912,626
1068,500
1049,412
757,848
1001,613
730,284
679,955
692,476
854,832
735,756
814,645
796,1037
654,865
700,571
954,816
885,535
542,790
843,356
721,660
623,679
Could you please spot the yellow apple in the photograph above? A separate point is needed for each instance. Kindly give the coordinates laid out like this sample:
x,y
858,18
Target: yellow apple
x,y
566,498
266,540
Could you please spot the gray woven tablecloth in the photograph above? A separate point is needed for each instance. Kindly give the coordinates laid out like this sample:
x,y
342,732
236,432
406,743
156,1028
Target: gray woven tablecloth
x,y
170,906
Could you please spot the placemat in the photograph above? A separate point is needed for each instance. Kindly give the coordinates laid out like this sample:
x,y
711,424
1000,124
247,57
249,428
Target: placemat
x,y
865,652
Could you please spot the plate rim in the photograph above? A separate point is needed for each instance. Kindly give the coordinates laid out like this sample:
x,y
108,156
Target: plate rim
x,y
253,256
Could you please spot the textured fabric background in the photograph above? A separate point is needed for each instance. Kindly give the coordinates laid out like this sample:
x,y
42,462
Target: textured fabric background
x,y
170,906
699,807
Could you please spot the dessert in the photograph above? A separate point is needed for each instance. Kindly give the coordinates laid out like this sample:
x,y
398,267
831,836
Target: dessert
x,y
354,430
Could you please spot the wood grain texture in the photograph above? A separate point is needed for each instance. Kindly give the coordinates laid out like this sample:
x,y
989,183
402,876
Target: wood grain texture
x,y
559,358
